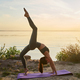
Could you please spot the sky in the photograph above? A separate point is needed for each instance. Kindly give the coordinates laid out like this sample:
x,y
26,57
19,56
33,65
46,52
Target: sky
x,y
46,14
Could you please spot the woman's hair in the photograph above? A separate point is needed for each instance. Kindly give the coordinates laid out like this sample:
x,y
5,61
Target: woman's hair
x,y
41,62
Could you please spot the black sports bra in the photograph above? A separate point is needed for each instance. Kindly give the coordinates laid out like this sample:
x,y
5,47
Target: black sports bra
x,y
44,49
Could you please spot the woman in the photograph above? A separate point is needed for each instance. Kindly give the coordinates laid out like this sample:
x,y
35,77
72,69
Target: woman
x,y
34,44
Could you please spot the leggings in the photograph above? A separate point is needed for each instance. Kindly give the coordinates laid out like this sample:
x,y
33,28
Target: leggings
x,y
32,43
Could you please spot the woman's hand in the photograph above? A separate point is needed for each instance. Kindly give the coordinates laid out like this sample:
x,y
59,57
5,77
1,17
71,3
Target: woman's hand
x,y
53,73
26,13
25,70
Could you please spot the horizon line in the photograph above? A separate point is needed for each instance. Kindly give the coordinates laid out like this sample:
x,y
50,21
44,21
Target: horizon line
x,y
40,30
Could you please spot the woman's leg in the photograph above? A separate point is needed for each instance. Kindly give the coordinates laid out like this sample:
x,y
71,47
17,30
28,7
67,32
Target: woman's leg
x,y
24,51
32,43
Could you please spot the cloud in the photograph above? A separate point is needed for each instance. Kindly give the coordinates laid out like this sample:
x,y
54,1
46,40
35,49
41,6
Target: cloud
x,y
8,5
77,12
52,3
12,8
44,16
68,16
44,5
61,4
6,15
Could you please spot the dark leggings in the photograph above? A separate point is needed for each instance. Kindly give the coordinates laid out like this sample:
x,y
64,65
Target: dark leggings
x,y
32,43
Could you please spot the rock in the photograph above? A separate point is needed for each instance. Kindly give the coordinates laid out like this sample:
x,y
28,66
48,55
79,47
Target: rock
x,y
74,78
17,57
17,70
36,61
27,57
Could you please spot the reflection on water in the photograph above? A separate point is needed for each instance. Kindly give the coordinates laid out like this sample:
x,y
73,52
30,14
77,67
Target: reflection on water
x,y
53,39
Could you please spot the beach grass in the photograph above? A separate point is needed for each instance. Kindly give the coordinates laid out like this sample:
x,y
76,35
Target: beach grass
x,y
71,54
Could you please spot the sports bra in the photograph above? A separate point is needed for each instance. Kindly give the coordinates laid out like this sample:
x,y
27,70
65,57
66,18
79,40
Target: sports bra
x,y
43,49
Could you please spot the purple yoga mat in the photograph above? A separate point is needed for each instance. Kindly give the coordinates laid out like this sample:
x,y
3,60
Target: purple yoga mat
x,y
39,75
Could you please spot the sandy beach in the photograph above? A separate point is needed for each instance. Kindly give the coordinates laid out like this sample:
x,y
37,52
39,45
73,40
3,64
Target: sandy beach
x,y
15,66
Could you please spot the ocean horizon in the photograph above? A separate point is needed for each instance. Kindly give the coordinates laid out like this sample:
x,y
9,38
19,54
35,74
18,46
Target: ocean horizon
x,y
53,39
41,30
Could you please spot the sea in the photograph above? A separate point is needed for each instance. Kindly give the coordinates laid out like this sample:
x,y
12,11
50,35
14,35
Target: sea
x,y
55,40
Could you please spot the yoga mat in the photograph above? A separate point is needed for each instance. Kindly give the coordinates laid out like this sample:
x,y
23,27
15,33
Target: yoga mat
x,y
40,75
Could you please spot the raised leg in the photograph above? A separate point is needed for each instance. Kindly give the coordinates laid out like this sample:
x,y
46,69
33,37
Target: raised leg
x,y
33,39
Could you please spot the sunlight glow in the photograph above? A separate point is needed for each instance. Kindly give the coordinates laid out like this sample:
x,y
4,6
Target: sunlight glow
x,y
46,14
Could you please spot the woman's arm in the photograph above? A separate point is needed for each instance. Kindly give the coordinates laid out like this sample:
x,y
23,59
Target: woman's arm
x,y
52,66
51,62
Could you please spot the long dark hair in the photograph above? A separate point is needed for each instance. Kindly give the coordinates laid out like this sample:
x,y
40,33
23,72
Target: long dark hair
x,y
41,62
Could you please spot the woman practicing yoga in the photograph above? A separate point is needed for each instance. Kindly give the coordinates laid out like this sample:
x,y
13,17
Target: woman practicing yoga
x,y
34,44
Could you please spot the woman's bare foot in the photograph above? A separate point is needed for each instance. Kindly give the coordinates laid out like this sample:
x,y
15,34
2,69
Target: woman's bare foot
x,y
25,70
26,13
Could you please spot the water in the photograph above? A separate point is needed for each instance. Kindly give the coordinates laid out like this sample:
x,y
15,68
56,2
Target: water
x,y
55,40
